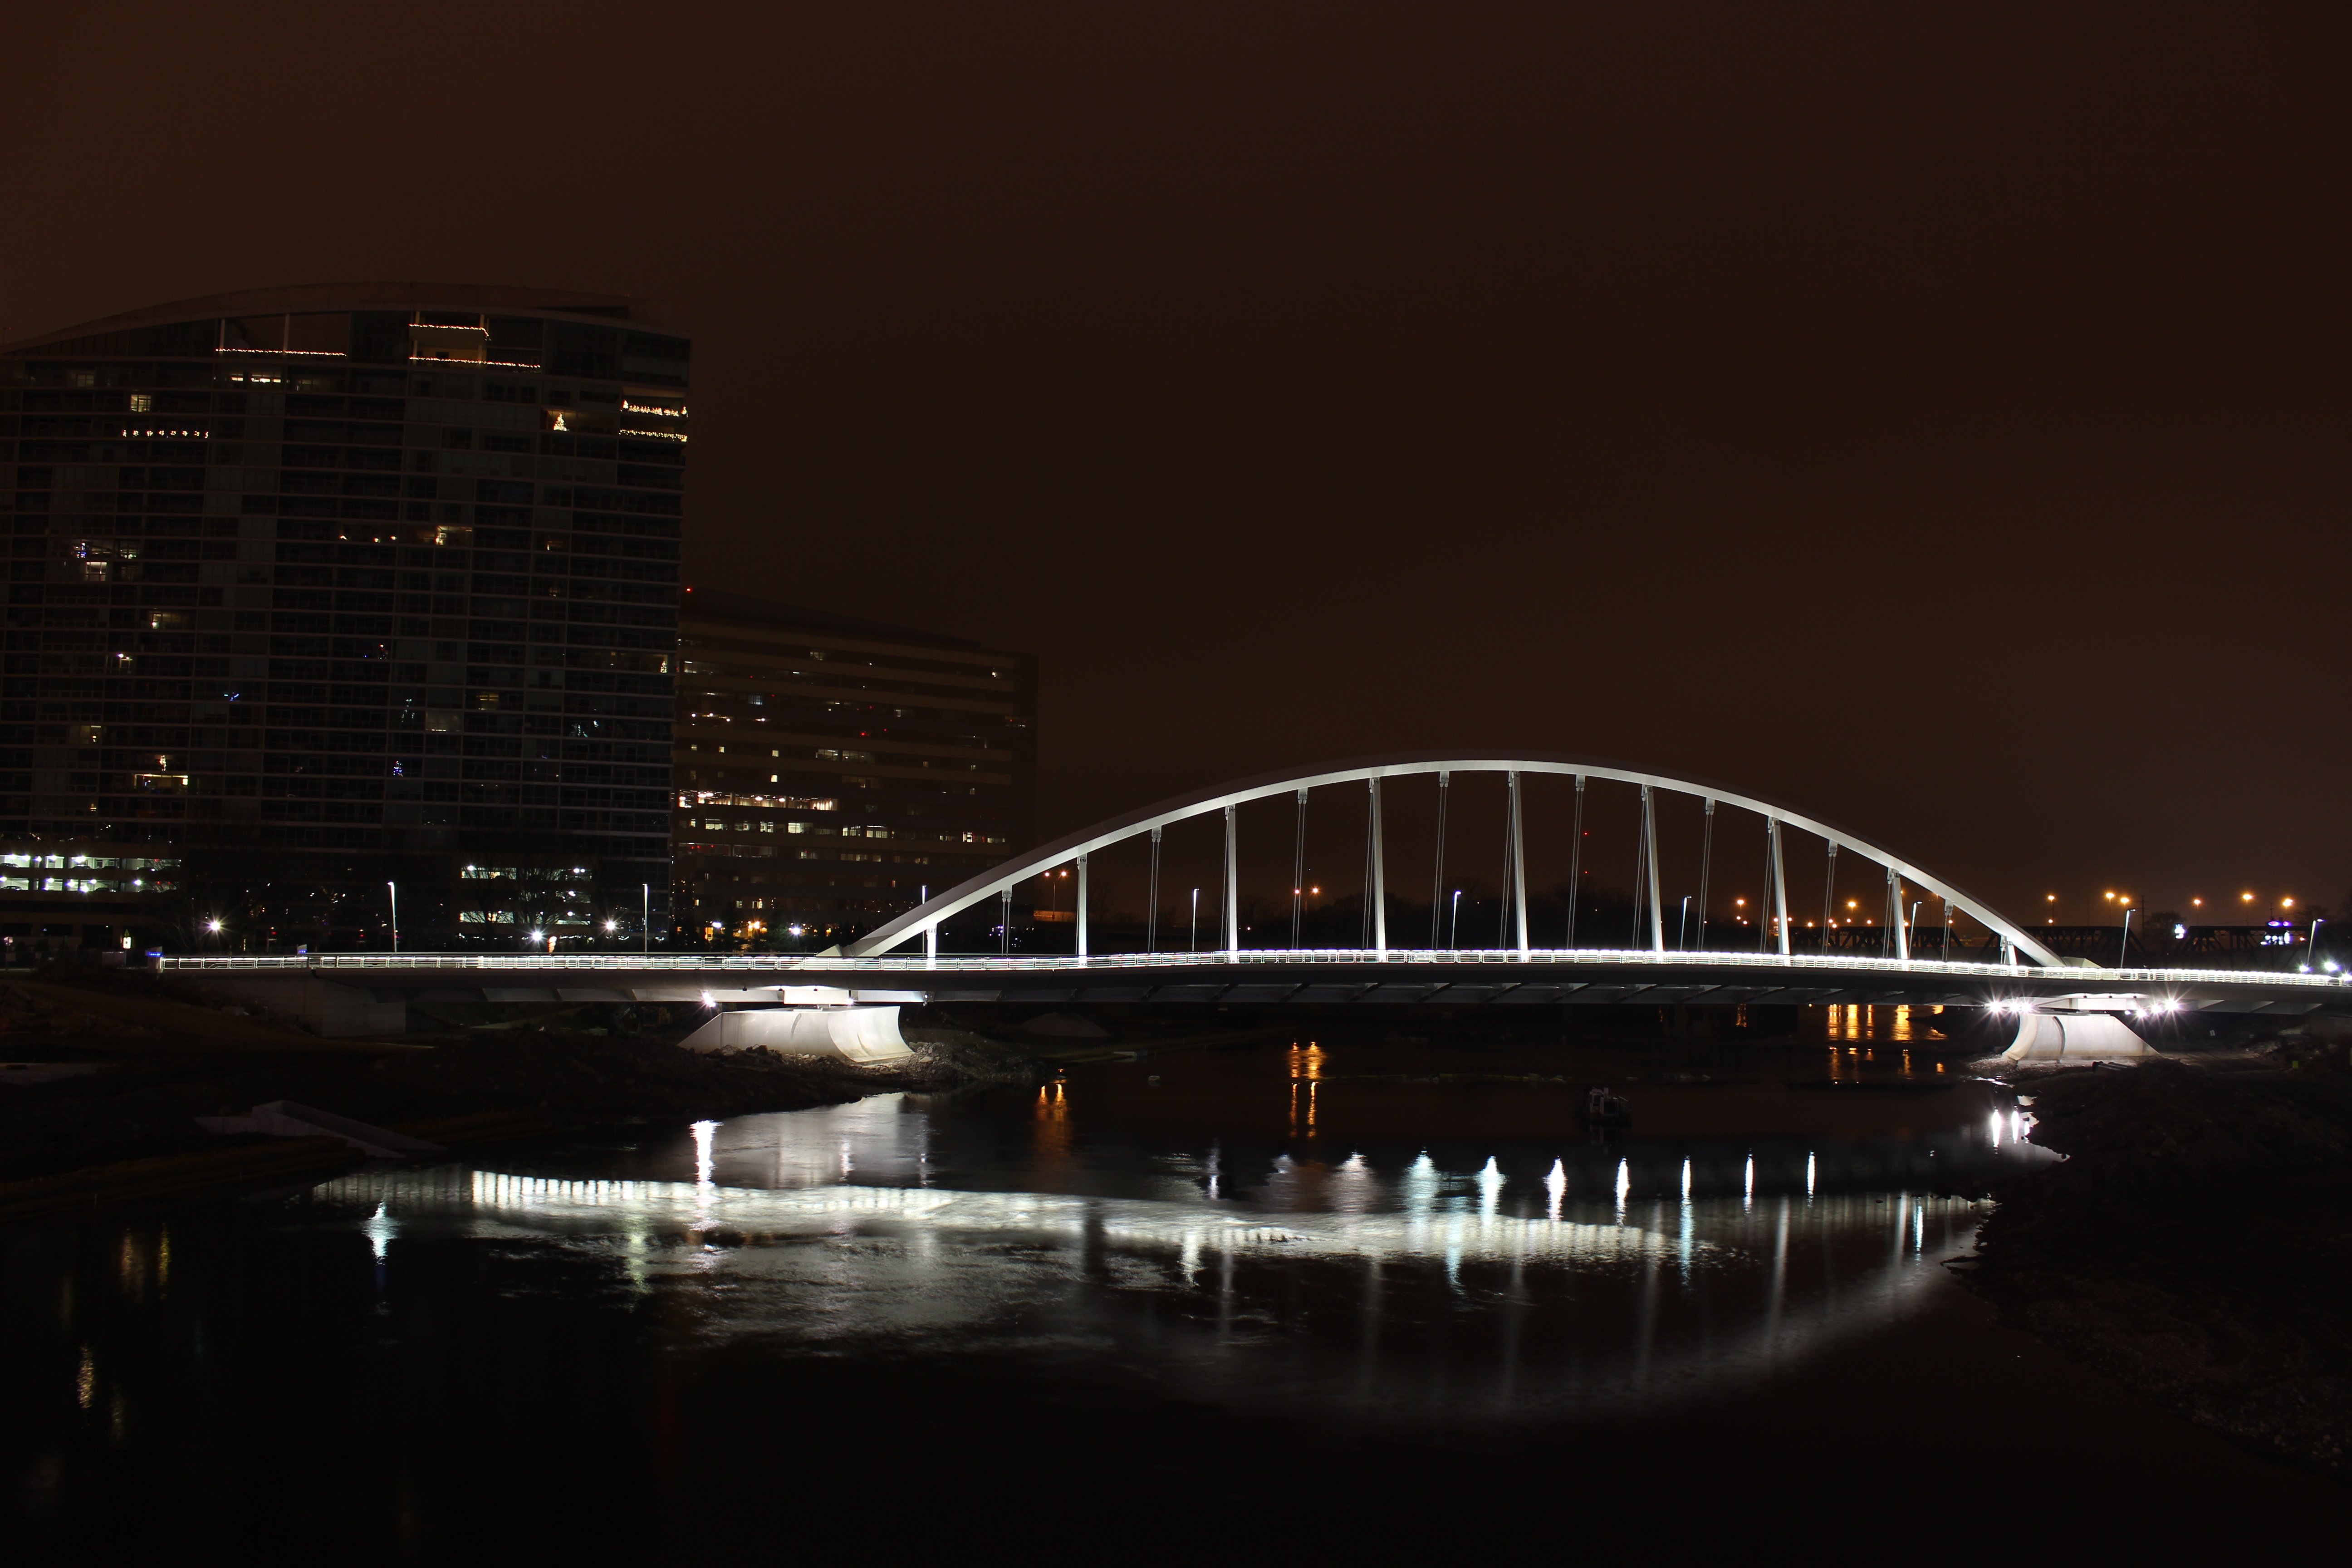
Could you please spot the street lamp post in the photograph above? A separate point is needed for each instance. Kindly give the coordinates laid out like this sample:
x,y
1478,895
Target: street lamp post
x,y
1682,926
2311,945
646,914
1196,920
2123,953
394,889
1454,927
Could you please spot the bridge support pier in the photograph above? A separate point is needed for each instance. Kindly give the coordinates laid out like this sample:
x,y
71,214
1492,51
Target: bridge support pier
x,y
2075,1038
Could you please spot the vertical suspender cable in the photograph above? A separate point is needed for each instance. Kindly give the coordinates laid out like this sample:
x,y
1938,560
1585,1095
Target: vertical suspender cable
x,y
1705,863
1641,865
1379,880
1519,860
1437,878
1899,937
1151,903
1780,889
1657,905
1829,896
1232,888
1298,873
1575,862
1510,820
1764,904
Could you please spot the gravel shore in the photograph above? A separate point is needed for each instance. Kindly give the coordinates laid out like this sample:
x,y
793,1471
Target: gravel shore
x,y
2196,1243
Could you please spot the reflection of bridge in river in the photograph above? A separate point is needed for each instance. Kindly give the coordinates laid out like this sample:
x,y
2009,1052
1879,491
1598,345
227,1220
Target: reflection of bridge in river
x,y
1616,1274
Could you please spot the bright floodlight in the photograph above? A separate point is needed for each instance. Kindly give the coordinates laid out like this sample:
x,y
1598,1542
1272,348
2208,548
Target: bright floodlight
x,y
212,925
611,926
534,936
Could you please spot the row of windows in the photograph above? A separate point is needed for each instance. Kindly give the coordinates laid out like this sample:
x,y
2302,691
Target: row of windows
x,y
241,387
762,824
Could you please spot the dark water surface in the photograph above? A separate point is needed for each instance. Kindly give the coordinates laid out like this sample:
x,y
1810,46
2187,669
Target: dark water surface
x,y
1337,1295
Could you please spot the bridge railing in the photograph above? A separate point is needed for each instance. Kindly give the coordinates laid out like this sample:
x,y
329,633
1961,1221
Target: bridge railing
x,y
1395,958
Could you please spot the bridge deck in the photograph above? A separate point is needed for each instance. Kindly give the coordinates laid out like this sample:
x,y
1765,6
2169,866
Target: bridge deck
x,y
1335,975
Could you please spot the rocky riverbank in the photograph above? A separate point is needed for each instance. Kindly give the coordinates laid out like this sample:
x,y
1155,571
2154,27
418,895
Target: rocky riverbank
x,y
105,1071
2196,1244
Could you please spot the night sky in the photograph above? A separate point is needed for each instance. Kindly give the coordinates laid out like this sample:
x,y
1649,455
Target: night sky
x,y
1933,416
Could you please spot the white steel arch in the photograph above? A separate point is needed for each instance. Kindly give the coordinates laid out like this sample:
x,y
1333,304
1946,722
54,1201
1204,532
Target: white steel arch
x,y
927,917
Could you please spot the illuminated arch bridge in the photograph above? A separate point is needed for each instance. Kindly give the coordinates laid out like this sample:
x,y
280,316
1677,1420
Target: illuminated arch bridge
x,y
1364,777
362,992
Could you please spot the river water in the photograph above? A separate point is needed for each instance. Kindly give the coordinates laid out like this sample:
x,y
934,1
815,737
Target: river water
x,y
1337,1293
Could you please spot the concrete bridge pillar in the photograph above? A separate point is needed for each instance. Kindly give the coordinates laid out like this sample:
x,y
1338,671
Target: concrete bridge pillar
x,y
2046,1039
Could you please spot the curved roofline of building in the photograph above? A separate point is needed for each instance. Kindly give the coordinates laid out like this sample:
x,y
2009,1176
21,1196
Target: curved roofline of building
x,y
299,299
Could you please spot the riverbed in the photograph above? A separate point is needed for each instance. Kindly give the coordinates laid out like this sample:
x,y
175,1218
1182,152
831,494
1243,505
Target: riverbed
x,y
1334,1291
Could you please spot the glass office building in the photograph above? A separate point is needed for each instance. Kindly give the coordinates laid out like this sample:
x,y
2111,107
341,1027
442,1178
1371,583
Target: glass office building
x,y
830,769
316,589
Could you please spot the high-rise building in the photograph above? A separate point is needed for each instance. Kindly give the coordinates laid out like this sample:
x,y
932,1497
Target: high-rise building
x,y
314,589
830,769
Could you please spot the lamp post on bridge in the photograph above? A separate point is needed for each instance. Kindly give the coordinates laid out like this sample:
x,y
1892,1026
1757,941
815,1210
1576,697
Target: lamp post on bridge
x,y
1453,928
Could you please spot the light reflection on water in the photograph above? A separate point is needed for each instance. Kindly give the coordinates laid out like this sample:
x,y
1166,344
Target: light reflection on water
x,y
1581,1280
1140,1283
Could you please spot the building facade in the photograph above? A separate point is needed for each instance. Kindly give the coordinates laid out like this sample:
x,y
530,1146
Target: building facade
x,y
313,590
829,770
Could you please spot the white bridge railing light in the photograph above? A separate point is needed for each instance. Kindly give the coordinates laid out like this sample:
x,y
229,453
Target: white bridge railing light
x,y
1370,960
